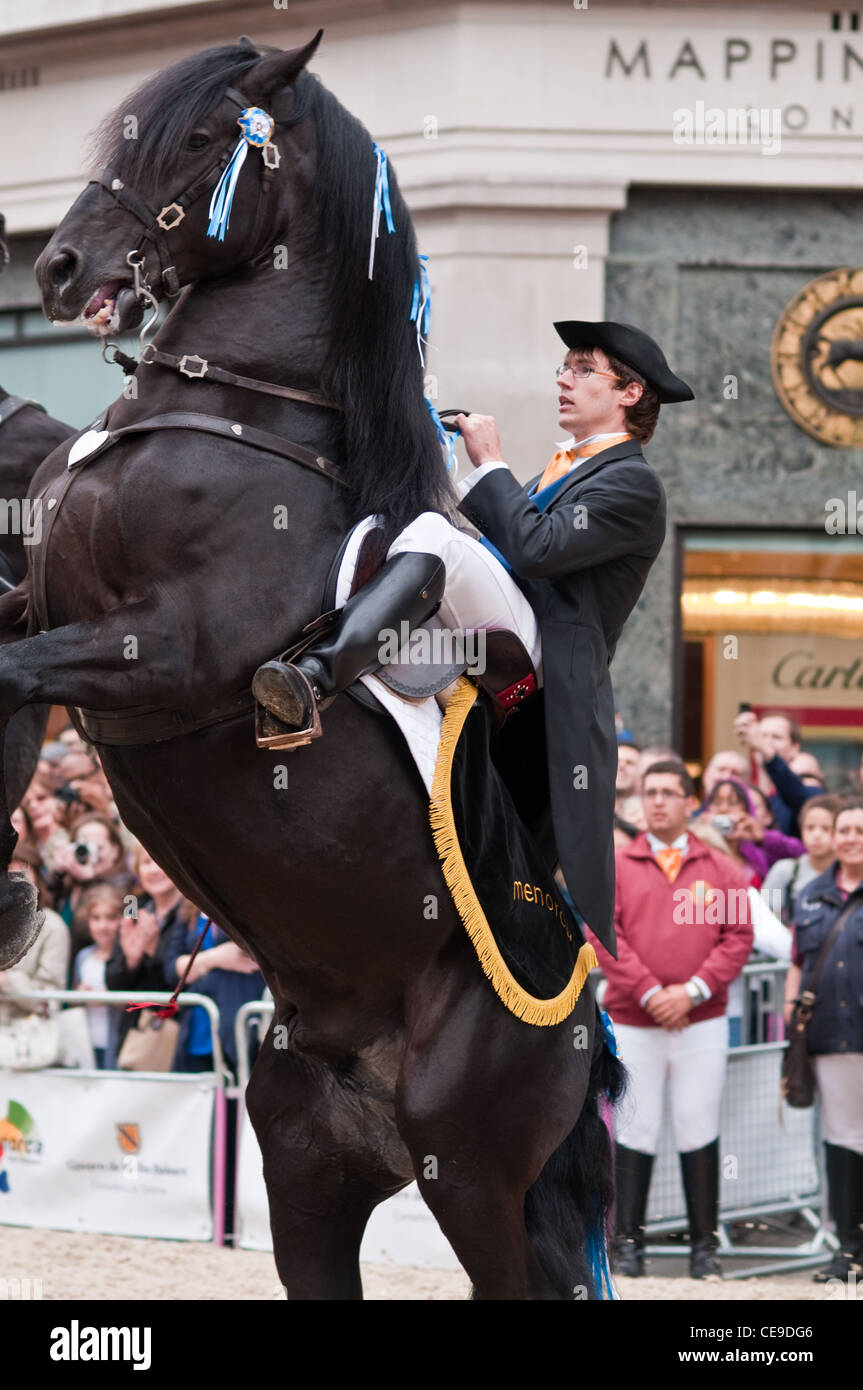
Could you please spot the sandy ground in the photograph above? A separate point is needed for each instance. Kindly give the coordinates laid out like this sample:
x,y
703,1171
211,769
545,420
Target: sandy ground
x,y
91,1267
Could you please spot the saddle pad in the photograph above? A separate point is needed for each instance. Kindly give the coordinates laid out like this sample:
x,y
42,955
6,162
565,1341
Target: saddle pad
x,y
526,938
418,720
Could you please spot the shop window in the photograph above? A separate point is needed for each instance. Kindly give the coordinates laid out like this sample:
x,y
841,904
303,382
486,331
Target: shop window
x,y
773,619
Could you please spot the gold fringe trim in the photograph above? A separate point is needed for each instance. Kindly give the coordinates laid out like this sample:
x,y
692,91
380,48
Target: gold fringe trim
x,y
542,1012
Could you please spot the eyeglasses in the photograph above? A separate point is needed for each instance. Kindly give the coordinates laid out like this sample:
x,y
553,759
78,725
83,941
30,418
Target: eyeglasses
x,y
580,370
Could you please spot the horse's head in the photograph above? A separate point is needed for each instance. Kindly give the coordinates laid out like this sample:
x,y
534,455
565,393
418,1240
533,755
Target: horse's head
x,y
144,217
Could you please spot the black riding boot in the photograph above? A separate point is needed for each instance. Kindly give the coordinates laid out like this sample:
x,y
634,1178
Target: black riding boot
x,y
408,588
845,1181
700,1171
632,1172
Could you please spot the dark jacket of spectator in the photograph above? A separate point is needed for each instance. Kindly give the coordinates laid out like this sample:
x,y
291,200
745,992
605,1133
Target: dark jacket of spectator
x,y
837,1018
790,794
150,974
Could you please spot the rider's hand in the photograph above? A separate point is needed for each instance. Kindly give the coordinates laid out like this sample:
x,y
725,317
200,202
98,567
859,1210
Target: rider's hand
x,y
481,438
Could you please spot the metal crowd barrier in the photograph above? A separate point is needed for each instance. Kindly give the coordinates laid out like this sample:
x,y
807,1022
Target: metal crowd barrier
x,y
770,1160
175,1083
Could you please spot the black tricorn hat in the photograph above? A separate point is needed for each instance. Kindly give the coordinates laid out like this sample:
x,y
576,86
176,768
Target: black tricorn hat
x,y
636,349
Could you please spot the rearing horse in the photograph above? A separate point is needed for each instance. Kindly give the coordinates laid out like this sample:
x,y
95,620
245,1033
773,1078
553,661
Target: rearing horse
x,y
164,582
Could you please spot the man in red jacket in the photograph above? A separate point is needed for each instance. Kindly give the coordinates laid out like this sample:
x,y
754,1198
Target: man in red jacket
x,y
683,934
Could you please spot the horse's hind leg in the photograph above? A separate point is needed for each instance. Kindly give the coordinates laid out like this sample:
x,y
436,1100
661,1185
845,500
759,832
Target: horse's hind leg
x,y
331,1154
483,1100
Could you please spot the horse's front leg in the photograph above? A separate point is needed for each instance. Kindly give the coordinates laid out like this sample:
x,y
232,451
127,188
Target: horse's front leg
x,y
134,655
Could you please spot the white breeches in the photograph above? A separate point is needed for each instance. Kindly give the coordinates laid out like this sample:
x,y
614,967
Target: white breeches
x,y
693,1061
479,594
840,1084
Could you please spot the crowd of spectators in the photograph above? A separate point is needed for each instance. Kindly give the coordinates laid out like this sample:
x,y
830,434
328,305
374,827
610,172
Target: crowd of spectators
x,y
113,921
779,853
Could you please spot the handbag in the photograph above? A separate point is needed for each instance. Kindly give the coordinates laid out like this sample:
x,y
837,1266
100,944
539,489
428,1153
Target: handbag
x,y
150,1046
798,1073
30,1042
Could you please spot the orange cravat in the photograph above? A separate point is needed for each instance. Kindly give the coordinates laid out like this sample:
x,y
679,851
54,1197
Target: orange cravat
x,y
670,860
561,462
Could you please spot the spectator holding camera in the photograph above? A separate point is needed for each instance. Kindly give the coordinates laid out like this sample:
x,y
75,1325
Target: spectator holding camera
x,y
775,742
46,815
834,1034
95,853
735,813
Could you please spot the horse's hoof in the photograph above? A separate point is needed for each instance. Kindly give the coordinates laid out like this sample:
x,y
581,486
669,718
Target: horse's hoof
x,y
20,919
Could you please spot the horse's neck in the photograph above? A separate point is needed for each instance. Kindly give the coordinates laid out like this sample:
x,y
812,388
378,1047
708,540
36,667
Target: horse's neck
x,y
258,323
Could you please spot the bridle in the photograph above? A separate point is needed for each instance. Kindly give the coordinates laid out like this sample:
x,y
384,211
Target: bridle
x,y
154,241
157,226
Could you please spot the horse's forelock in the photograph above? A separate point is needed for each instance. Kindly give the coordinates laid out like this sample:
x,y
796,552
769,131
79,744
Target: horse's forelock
x,y
166,110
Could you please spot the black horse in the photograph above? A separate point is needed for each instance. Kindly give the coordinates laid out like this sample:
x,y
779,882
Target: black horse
x,y
27,436
168,576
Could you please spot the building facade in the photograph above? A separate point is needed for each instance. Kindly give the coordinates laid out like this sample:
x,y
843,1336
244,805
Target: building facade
x,y
691,169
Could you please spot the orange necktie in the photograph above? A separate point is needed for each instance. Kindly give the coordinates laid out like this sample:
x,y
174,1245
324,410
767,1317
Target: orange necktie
x,y
670,860
561,462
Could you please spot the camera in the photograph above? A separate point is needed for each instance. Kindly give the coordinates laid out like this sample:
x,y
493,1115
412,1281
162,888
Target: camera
x,y
85,852
67,794
724,824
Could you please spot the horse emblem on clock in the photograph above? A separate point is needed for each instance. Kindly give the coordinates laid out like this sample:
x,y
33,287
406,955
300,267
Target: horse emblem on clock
x,y
817,358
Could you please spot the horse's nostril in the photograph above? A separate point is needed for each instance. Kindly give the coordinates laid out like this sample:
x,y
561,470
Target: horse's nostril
x,y
61,268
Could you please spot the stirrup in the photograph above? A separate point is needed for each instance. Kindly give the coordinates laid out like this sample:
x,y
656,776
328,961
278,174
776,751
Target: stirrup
x,y
285,737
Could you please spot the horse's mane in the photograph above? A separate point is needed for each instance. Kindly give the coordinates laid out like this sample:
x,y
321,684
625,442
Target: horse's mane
x,y
373,368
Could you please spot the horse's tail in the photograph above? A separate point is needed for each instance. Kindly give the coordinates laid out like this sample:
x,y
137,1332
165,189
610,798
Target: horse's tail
x,y
567,1210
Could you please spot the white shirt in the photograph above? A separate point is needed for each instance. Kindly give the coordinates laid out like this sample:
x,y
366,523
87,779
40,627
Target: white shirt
x,y
466,484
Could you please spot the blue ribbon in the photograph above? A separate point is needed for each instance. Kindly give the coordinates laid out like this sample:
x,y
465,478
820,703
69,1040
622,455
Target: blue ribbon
x,y
608,1030
381,202
223,193
421,306
597,1254
447,440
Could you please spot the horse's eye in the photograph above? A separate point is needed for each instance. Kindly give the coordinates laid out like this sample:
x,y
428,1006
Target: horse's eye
x,y
199,140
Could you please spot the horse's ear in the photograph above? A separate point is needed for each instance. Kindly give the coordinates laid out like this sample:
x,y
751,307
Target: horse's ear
x,y
278,70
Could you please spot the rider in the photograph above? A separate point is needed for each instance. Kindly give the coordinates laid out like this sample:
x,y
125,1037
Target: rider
x,y
579,541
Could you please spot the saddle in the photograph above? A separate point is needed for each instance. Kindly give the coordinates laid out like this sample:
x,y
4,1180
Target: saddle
x,y
506,672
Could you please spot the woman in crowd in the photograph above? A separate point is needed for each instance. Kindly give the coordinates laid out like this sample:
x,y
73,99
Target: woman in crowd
x,y
753,846
788,877
46,816
102,910
138,958
95,854
834,1035
29,1033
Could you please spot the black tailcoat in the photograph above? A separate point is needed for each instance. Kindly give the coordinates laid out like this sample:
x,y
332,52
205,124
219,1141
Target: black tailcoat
x,y
582,564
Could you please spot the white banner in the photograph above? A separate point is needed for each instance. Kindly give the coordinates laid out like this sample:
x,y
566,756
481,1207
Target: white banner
x,y
116,1155
401,1231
